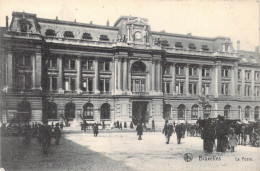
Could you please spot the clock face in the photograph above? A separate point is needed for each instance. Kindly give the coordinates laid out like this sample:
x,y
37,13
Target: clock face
x,y
138,35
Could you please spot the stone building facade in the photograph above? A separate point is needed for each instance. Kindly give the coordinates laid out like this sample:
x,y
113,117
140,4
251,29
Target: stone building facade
x,y
61,70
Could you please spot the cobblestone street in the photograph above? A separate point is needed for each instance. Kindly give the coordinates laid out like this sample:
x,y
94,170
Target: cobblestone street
x,y
122,151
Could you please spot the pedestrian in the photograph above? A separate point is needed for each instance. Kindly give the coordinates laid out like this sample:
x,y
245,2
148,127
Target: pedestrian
x,y
222,134
27,134
125,125
84,125
153,125
208,136
57,134
139,130
46,137
103,124
232,140
61,125
179,132
117,124
120,126
168,130
131,125
95,129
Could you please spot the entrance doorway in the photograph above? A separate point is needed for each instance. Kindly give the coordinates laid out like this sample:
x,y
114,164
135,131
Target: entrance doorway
x,y
140,112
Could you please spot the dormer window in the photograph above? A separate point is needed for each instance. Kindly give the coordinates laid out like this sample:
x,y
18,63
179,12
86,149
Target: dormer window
x,y
103,38
87,36
50,32
68,34
192,46
165,43
24,25
178,44
205,47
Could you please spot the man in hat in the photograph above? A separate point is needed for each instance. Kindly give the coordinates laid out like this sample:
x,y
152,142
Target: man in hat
x,y
179,132
139,130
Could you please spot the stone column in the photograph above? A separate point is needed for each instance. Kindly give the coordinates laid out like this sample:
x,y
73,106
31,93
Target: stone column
x,y
125,75
242,89
159,76
252,90
187,80
115,74
78,78
232,86
200,80
235,78
38,68
10,69
153,80
112,81
60,76
217,81
34,71
119,75
96,80
173,71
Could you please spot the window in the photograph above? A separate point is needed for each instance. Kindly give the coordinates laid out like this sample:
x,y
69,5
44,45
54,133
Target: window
x,y
23,25
138,85
87,84
138,67
226,48
227,111
24,60
224,89
70,110
165,43
52,63
256,113
50,32
247,75
224,72
178,44
257,91
257,76
179,70
167,110
247,90
194,111
68,34
70,84
207,111
87,36
20,81
24,81
181,111
192,71
238,89
103,38
69,63
51,110
204,47
247,112
88,111
239,74
179,88
87,65
167,69
105,111
103,66
66,84
205,89
24,111
192,46
166,87
52,83
104,85
192,88
205,72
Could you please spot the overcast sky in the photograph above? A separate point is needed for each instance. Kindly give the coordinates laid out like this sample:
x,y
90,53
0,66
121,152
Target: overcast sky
x,y
237,19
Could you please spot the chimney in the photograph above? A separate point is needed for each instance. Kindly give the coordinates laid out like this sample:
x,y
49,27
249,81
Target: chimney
x,y
75,20
107,22
91,22
57,18
7,24
257,49
238,45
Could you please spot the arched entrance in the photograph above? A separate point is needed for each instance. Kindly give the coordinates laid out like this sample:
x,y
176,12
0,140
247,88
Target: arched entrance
x,y
140,112
167,111
70,110
227,110
24,111
88,111
105,111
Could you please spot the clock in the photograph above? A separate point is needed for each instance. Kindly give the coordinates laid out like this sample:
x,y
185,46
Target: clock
x,y
138,35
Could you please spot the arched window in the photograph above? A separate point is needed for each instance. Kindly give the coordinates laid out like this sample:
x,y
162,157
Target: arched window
x,y
138,67
247,112
207,111
70,110
194,111
50,32
88,111
181,111
24,111
257,112
167,110
68,34
227,110
105,111
51,110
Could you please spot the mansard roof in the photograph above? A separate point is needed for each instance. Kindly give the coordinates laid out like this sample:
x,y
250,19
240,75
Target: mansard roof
x,y
248,57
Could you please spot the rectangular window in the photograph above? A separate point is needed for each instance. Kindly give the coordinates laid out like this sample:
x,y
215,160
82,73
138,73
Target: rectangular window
x,y
73,84
54,83
205,72
247,75
90,65
167,69
28,62
179,88
239,74
101,85
224,72
66,63
257,76
179,70
28,82
66,84
107,85
20,81
48,87
90,85
257,91
84,65
192,71
238,89
107,66
192,88
224,89
72,64
205,89
166,87
54,63
103,66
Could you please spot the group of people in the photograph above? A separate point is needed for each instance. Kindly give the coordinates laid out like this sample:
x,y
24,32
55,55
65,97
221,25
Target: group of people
x,y
228,134
170,128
